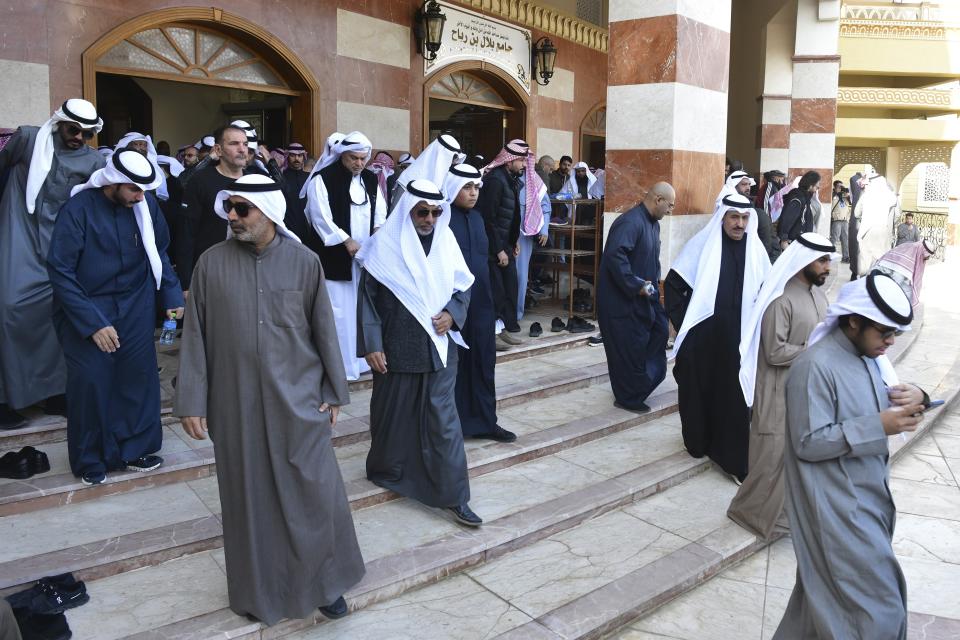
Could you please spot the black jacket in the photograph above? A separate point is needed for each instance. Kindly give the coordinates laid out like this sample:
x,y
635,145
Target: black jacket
x,y
499,203
797,217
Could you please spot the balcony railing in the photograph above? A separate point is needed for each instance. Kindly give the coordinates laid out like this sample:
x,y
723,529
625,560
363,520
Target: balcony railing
x,y
923,21
934,99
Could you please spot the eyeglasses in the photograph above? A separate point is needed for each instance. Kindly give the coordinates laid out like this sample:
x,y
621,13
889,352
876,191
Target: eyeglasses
x,y
74,131
242,208
423,213
886,332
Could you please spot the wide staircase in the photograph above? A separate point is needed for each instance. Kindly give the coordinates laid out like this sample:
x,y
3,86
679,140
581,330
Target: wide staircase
x,y
594,517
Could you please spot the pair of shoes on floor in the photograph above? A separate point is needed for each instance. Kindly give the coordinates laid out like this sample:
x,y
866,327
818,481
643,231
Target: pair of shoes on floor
x,y
557,325
465,516
10,419
509,339
595,341
23,464
55,405
141,464
51,595
536,330
576,324
499,434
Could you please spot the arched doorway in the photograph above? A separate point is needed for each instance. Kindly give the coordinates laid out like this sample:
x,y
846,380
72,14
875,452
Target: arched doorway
x,y
593,136
179,73
478,104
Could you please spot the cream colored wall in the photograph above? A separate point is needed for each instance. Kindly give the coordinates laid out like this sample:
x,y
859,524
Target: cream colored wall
x,y
27,98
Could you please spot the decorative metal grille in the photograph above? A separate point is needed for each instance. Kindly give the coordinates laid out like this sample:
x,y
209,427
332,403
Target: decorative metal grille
x,y
591,11
874,156
934,187
932,227
910,157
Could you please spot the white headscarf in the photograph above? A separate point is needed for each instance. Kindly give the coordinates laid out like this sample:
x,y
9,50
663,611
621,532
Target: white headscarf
x,y
264,194
133,136
173,165
327,157
877,297
809,247
75,110
599,188
458,176
130,167
730,185
405,159
252,141
699,265
423,283
571,185
433,163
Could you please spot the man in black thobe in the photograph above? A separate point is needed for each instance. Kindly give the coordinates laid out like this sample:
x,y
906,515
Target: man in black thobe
x,y
723,267
476,389
413,298
633,322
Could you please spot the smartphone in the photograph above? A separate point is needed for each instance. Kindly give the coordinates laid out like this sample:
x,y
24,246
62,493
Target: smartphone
x,y
934,404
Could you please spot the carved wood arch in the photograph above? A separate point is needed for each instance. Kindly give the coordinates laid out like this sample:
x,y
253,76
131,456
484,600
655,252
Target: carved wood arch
x,y
296,78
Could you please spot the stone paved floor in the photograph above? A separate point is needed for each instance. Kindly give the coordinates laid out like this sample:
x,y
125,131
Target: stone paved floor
x,y
748,600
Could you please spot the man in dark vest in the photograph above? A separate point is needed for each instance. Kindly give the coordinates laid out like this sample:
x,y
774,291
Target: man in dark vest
x,y
343,210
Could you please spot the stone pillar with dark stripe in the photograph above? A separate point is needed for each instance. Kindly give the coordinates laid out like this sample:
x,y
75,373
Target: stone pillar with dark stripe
x,y
667,80
813,118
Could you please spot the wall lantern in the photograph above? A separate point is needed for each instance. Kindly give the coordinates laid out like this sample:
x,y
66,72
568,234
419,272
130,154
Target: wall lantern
x,y
428,28
544,57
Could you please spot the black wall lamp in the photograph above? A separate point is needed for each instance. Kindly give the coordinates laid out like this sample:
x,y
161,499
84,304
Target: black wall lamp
x,y
428,29
544,58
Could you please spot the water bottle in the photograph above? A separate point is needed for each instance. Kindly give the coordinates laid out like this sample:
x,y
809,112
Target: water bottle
x,y
650,289
168,332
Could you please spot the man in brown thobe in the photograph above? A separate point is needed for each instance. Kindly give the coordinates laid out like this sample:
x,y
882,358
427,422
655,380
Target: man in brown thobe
x,y
261,368
790,304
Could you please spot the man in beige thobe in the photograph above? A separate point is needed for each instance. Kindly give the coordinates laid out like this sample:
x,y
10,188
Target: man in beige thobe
x,y
790,304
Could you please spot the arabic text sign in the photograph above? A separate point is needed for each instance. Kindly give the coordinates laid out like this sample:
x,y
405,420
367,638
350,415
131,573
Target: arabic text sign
x,y
471,36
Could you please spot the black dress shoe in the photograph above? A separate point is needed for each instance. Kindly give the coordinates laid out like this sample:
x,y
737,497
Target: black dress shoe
x,y
464,515
643,407
55,405
38,460
336,610
499,434
557,325
10,419
595,341
576,324
536,330
15,466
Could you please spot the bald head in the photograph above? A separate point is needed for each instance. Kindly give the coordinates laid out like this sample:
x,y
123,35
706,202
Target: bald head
x,y
660,200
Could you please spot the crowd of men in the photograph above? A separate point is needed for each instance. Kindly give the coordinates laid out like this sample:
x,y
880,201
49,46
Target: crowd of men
x,y
295,276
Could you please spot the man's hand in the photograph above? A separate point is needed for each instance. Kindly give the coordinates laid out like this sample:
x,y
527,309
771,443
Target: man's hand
x,y
502,259
903,418
542,240
442,322
352,246
107,340
195,427
186,295
175,314
516,250
264,152
377,361
334,412
905,394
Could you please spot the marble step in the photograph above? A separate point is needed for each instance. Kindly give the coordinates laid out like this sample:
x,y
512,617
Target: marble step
x,y
182,516
45,429
413,561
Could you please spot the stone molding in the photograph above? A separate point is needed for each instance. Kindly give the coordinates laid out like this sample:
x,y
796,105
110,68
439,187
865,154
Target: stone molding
x,y
893,13
551,21
899,30
892,96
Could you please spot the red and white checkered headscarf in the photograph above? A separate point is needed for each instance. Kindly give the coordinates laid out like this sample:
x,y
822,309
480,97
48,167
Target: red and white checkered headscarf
x,y
514,149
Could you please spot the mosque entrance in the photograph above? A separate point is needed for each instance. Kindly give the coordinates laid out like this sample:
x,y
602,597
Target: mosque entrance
x,y
177,74
593,136
481,110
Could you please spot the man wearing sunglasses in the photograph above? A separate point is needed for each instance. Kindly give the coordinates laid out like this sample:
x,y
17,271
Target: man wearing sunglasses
x,y
261,373
843,400
45,163
414,295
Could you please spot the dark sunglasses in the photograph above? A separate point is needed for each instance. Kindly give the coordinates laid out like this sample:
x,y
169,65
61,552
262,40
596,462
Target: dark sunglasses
x,y
242,208
73,131
886,332
423,213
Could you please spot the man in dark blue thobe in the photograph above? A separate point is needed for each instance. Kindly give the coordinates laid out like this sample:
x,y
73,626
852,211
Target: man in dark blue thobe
x,y
632,321
109,268
476,391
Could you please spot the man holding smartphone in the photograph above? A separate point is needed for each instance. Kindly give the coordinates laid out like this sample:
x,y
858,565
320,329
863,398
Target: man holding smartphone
x,y
843,401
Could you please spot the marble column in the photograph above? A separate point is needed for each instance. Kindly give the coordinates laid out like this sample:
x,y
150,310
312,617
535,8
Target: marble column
x,y
774,139
667,82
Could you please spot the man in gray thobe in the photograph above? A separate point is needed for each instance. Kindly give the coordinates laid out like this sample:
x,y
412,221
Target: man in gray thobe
x,y
843,400
45,163
790,304
260,366
414,295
